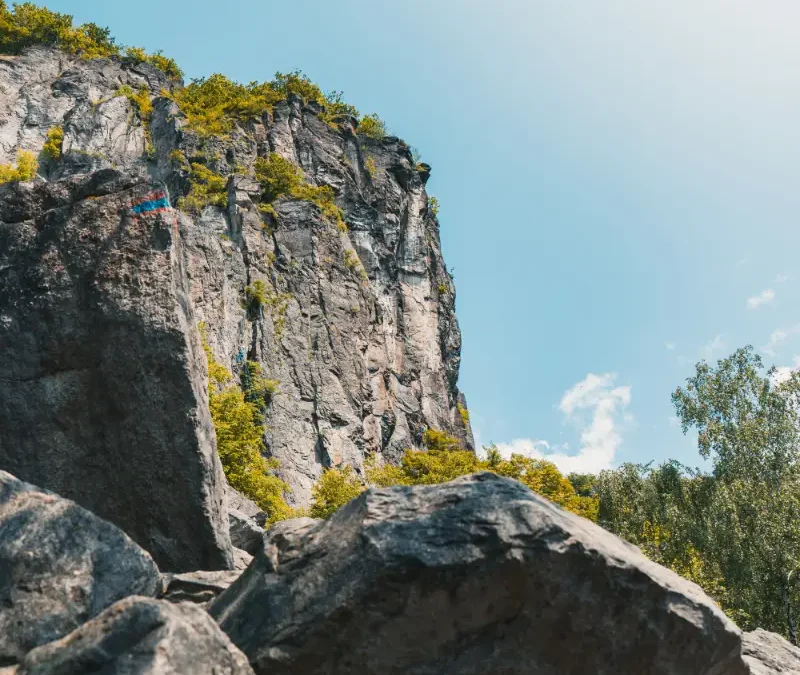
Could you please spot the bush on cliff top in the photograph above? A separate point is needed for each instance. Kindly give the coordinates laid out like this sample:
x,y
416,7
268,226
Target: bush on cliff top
x,y
240,441
27,25
445,459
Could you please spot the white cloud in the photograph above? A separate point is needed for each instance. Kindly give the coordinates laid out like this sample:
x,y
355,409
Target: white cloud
x,y
777,338
762,298
781,278
743,261
716,345
673,421
669,346
783,373
598,407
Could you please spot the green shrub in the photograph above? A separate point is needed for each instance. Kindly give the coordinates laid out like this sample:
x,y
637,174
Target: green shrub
x,y
280,178
52,146
369,164
165,64
257,388
351,260
212,105
25,169
28,25
207,188
464,414
433,206
444,459
372,126
333,490
240,441
298,83
443,289
255,295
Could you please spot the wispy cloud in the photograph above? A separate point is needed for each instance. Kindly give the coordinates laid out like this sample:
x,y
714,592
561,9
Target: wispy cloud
x,y
763,298
669,346
781,278
742,262
712,348
598,407
777,338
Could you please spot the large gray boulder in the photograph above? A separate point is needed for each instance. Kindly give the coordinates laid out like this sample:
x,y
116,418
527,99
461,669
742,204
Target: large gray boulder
x,y
475,576
59,566
769,654
104,399
141,636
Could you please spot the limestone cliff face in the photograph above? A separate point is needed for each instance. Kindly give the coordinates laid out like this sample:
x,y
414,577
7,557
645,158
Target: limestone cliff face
x,y
99,306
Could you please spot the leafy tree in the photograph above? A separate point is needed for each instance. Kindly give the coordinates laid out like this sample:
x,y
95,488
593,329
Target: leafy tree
x,y
748,424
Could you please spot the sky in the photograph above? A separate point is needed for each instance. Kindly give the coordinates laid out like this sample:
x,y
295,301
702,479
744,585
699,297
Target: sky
x,y
618,184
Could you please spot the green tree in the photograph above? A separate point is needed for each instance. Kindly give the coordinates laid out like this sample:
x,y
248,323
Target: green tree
x,y
748,424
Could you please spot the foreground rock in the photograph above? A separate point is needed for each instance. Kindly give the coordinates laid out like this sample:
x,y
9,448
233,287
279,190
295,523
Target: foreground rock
x,y
141,636
769,654
59,566
475,576
104,398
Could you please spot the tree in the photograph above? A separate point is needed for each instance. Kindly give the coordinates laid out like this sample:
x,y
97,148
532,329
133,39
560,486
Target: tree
x,y
748,424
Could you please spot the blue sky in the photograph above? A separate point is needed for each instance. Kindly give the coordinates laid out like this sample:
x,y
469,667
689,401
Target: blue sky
x,y
618,183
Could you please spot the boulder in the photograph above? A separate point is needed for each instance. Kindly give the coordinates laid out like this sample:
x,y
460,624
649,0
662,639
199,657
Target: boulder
x,y
246,533
141,636
769,654
59,566
197,587
241,559
104,397
238,502
475,576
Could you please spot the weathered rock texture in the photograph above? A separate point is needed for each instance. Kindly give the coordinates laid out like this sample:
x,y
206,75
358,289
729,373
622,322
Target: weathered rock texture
x,y
59,566
769,654
197,587
475,576
98,310
141,636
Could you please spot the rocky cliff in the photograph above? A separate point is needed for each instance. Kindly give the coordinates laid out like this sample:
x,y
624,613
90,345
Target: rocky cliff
x,y
103,380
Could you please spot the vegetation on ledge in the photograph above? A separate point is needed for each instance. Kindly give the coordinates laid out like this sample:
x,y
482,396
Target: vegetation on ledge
x,y
28,25
239,427
25,169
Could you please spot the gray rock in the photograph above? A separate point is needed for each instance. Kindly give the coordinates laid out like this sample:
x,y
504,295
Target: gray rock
x,y
238,502
769,654
141,636
105,386
241,559
246,533
475,576
59,566
197,587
